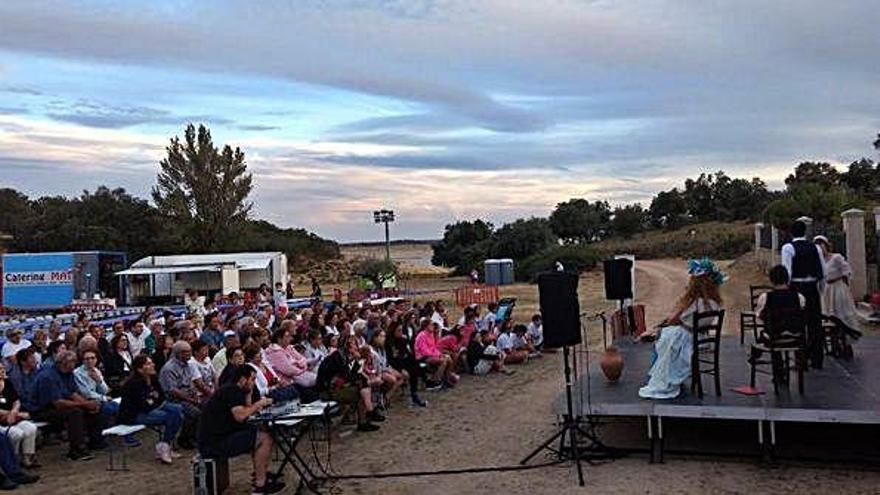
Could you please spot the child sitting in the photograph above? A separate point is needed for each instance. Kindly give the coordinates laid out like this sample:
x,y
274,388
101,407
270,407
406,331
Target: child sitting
x,y
506,344
483,357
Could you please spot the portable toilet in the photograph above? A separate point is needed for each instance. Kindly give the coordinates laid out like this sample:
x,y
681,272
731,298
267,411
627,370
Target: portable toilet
x,y
492,270
506,268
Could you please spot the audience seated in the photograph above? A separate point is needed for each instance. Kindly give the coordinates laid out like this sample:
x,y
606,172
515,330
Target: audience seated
x,y
143,404
340,380
59,403
290,365
214,376
177,379
15,425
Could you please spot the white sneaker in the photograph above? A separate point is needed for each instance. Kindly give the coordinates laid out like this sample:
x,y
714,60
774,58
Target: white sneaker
x,y
163,452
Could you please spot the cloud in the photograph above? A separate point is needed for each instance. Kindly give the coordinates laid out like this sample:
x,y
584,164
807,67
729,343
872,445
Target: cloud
x,y
105,116
258,127
21,90
12,110
540,99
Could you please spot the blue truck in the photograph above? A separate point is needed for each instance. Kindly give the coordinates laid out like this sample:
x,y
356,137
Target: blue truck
x,y
46,281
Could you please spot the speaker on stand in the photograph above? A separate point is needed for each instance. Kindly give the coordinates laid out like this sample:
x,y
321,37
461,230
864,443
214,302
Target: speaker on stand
x,y
561,316
619,286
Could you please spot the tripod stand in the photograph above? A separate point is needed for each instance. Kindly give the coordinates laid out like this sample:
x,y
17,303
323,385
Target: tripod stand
x,y
569,427
571,424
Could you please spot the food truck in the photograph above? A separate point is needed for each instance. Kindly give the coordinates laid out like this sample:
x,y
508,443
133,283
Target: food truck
x,y
46,281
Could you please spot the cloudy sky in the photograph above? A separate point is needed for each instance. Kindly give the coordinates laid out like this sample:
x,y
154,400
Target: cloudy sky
x,y
439,109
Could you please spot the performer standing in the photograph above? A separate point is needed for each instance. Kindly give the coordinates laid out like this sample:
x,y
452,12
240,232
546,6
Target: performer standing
x,y
806,268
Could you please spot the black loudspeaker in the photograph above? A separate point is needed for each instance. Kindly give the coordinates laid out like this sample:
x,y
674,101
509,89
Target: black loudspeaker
x,y
618,279
560,309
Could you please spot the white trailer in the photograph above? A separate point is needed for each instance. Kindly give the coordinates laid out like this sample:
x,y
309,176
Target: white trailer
x,y
163,277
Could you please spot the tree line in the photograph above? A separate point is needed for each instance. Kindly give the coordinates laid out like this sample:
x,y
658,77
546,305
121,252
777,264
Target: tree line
x,y
814,189
200,206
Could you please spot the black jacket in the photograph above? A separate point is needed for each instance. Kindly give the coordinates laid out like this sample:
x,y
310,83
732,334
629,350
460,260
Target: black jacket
x,y
334,366
138,397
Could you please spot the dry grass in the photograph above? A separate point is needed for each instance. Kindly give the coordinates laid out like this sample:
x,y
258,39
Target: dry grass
x,y
714,239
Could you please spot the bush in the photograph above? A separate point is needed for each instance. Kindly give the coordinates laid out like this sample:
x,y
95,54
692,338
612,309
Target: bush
x,y
573,258
713,239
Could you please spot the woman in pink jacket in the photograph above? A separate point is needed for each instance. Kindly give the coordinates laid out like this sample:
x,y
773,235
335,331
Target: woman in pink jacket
x,y
428,351
286,362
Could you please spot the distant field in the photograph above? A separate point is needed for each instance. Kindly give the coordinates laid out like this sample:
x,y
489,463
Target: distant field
x,y
414,258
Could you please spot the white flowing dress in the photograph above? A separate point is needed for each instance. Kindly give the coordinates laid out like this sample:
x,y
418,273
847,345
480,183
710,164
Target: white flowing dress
x,y
837,299
673,349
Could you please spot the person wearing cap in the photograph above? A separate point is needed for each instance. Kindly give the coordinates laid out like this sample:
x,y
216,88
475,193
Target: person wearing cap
x,y
805,263
837,299
14,343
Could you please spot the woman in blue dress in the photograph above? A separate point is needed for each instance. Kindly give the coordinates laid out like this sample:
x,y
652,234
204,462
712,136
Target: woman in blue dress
x,y
674,346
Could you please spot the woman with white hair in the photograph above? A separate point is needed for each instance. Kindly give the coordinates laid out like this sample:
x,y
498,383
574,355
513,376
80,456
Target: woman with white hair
x,y
837,299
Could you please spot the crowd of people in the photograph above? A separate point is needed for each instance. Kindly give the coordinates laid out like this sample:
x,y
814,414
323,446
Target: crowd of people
x,y
196,378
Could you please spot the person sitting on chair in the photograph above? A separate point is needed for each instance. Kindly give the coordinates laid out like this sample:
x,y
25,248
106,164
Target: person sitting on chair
x,y
224,430
674,346
782,296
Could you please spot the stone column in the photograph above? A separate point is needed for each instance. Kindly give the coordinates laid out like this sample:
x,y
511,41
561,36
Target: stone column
x,y
774,246
854,228
758,228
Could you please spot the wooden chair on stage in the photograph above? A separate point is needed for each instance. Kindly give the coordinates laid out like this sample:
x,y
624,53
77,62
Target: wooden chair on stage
x,y
707,349
784,340
836,337
748,320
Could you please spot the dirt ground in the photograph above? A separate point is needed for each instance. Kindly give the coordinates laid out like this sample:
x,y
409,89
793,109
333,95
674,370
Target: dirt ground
x,y
495,421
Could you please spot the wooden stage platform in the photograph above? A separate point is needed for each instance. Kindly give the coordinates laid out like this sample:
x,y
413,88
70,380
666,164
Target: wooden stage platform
x,y
844,392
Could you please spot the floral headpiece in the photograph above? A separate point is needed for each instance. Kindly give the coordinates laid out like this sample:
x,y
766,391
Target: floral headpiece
x,y
707,267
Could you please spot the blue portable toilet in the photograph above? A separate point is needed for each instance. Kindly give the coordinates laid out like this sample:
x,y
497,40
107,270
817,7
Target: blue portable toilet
x,y
506,268
492,270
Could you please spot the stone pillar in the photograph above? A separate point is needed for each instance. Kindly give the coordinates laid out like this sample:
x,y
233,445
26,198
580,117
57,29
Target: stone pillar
x,y
774,246
758,228
854,228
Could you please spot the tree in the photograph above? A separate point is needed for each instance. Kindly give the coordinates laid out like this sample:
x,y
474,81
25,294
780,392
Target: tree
x,y
698,196
464,246
862,177
738,199
628,220
822,204
668,209
577,220
202,189
821,173
16,210
377,271
520,239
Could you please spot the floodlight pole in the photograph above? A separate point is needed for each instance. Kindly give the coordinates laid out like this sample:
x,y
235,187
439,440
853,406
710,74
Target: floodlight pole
x,y
386,217
387,243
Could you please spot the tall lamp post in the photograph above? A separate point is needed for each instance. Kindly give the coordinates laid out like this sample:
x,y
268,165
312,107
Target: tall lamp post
x,y
386,217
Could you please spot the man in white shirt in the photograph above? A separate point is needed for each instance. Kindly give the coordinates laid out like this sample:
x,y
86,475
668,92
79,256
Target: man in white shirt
x,y
806,268
14,343
137,338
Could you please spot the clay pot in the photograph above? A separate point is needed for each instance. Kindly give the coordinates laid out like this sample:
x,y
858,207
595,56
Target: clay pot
x,y
612,364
